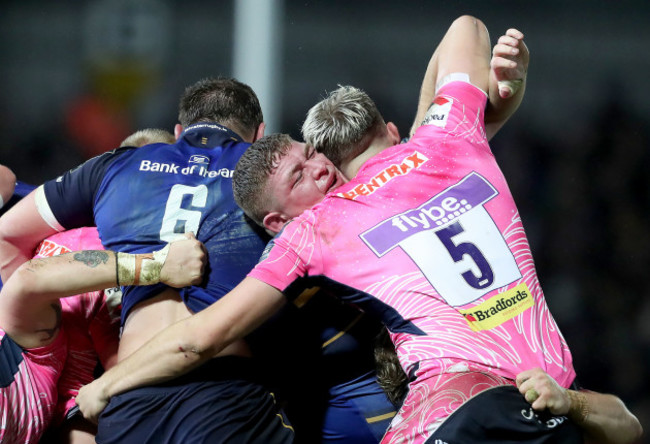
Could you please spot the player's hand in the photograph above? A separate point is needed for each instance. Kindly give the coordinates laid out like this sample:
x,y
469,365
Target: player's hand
x,y
91,400
543,392
185,262
509,62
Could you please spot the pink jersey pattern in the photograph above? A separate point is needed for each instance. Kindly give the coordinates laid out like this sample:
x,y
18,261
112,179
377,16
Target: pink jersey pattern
x,y
430,229
90,326
28,403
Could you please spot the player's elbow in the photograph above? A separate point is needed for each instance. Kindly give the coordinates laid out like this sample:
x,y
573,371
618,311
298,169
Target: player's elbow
x,y
200,342
24,282
7,183
469,21
635,428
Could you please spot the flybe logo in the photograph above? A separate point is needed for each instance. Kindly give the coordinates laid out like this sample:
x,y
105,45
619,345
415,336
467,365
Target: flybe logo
x,y
499,309
410,162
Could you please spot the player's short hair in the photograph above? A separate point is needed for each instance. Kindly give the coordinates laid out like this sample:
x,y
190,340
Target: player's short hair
x,y
342,125
252,173
148,136
225,101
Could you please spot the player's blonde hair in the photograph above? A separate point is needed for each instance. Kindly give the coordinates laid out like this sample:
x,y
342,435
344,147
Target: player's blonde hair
x,y
342,125
148,136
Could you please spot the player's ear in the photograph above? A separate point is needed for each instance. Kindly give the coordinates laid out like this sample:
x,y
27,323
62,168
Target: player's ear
x,y
274,221
260,131
393,133
178,130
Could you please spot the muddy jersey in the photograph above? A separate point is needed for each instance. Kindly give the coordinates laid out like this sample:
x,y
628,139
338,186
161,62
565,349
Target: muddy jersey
x,y
91,322
427,236
141,198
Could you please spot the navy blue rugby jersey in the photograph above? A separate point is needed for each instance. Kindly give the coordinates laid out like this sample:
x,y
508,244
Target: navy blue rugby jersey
x,y
140,198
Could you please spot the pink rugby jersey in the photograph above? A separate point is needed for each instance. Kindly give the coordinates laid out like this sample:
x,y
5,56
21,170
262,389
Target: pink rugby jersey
x,y
28,388
427,236
89,324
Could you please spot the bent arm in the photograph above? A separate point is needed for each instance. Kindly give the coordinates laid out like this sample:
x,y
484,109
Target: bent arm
x,y
22,228
603,417
185,345
7,184
29,304
465,48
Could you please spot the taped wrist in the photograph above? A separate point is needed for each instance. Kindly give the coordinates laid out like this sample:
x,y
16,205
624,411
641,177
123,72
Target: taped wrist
x,y
140,269
579,408
511,86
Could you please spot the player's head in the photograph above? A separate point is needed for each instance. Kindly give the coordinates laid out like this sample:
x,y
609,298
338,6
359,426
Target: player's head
x,y
148,136
344,124
278,178
225,101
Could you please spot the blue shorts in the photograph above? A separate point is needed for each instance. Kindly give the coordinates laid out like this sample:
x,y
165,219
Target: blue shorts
x,y
501,415
358,412
220,402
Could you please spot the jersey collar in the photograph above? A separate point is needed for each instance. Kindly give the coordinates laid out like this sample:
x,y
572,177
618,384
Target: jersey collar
x,y
208,134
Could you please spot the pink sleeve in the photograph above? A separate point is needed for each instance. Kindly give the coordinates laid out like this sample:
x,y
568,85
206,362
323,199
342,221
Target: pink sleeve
x,y
458,109
284,260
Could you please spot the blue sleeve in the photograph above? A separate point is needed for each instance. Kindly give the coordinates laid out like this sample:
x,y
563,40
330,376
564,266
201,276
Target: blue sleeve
x,y
71,196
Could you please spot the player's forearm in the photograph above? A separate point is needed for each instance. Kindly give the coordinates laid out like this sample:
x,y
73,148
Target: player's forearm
x,y
65,275
84,271
498,109
604,417
173,352
427,92
186,344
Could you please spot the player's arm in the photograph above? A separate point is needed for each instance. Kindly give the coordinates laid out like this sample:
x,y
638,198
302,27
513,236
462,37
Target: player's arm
x,y
7,184
22,228
603,417
29,308
465,48
185,345
507,81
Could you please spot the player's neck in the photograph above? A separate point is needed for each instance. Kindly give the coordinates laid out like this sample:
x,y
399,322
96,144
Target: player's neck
x,y
351,168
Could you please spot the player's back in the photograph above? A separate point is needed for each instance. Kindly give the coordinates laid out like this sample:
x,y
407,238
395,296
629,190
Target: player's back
x,y
153,194
141,198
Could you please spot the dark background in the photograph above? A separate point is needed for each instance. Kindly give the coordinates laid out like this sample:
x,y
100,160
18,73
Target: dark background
x,y
76,77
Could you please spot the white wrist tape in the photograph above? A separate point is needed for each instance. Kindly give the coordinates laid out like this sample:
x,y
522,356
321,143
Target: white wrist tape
x,y
140,269
511,85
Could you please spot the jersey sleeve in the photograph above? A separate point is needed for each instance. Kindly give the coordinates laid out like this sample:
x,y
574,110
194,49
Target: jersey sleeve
x,y
283,260
458,109
67,201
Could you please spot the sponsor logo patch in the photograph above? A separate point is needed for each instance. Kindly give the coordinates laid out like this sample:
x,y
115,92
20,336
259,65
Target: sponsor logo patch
x,y
499,309
410,162
49,249
438,112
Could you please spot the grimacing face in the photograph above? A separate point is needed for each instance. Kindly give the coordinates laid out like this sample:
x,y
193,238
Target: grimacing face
x,y
300,180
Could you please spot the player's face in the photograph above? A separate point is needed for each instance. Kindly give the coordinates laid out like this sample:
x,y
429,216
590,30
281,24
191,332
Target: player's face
x,y
301,179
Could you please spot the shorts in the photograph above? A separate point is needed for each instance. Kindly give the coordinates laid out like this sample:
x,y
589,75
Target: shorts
x,y
220,402
502,415
358,412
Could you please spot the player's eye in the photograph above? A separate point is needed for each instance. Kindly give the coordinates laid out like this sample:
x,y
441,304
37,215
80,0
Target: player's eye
x,y
298,179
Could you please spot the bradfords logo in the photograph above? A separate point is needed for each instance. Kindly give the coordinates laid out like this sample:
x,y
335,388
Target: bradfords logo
x,y
412,161
438,112
499,309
